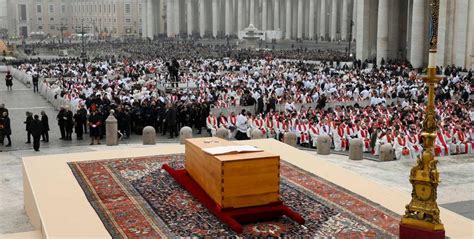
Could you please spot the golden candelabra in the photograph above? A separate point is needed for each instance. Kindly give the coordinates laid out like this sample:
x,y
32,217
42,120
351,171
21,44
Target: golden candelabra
x,y
423,211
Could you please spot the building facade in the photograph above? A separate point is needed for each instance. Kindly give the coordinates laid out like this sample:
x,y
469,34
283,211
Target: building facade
x,y
382,29
114,18
37,17
3,16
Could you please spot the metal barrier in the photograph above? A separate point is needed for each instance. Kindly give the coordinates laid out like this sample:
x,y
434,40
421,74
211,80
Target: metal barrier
x,y
4,68
50,92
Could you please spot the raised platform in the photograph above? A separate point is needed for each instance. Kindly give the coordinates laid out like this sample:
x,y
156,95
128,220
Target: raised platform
x,y
233,217
58,208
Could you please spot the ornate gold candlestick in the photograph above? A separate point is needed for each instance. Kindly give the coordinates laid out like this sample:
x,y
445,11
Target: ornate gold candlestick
x,y
422,217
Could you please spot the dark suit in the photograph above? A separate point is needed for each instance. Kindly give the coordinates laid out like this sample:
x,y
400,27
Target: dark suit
x,y
45,124
83,113
36,131
35,82
28,121
171,116
62,123
69,124
7,130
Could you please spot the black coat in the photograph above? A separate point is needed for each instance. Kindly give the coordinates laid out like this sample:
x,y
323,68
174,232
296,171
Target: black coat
x,y
28,122
171,116
36,128
61,119
69,119
7,130
45,122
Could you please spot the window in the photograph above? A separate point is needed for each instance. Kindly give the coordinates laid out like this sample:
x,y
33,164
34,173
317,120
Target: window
x,y
38,8
51,8
128,20
51,19
63,8
128,8
40,19
22,15
40,27
51,27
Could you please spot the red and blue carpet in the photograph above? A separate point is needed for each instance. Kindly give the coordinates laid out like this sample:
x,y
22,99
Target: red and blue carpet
x,y
135,198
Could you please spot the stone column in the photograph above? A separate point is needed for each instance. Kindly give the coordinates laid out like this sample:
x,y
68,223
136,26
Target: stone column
x,y
362,34
322,22
333,20
294,18
177,20
344,17
440,56
150,20
228,18
190,13
202,18
418,35
276,15
311,19
169,18
240,15
354,19
382,31
299,34
264,15
215,18
461,19
252,12
144,17
288,20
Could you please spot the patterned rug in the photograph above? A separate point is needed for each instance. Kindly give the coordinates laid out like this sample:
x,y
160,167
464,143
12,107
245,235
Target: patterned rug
x,y
136,199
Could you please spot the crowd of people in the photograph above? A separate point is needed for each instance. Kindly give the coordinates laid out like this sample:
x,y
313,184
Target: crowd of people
x,y
230,78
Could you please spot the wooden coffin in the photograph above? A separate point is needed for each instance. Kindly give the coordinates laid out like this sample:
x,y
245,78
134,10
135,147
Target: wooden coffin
x,y
233,180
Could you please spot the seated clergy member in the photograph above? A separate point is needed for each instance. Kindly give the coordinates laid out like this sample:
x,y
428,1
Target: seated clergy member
x,y
259,123
365,136
350,133
314,133
413,141
441,148
400,145
270,126
448,136
232,123
224,123
339,137
384,138
302,132
461,139
211,123
283,127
